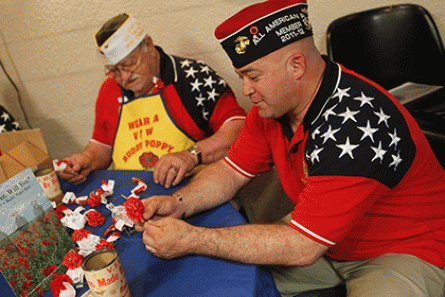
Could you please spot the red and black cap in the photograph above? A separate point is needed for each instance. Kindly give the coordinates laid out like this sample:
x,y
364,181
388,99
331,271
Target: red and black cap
x,y
262,28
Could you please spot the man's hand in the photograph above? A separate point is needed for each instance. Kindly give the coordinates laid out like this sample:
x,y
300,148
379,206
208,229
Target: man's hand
x,y
172,168
95,156
169,237
157,207
77,169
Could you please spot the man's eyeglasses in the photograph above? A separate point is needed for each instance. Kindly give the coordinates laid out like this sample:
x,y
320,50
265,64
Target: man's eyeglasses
x,y
129,64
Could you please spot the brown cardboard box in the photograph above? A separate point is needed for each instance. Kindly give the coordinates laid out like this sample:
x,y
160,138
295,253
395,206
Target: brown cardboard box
x,y
20,150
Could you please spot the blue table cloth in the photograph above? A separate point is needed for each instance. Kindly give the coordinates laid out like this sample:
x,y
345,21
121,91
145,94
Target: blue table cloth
x,y
193,275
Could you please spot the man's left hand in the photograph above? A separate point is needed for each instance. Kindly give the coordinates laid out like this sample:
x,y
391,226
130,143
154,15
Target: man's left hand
x,y
172,168
169,237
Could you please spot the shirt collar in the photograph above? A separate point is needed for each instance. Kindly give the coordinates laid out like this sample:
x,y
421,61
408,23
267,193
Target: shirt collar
x,y
327,88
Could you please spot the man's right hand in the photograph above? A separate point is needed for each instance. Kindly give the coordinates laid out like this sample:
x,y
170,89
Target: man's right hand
x,y
95,156
77,169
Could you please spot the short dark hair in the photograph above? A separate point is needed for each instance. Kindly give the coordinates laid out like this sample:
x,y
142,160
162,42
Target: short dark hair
x,y
109,28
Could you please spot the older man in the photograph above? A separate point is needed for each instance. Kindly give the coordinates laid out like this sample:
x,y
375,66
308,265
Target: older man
x,y
367,188
155,111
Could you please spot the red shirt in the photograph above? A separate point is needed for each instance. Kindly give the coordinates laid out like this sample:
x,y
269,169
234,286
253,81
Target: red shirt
x,y
362,176
198,100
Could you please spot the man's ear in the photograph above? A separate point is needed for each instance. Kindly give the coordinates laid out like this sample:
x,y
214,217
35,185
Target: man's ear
x,y
149,45
297,65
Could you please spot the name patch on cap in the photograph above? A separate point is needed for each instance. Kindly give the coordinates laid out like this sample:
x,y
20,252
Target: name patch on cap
x,y
122,42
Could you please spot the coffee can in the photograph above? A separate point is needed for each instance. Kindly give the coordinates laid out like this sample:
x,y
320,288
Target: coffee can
x,y
48,180
104,274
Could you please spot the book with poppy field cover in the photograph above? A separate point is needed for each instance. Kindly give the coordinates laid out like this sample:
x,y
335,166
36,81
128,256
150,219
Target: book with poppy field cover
x,y
33,242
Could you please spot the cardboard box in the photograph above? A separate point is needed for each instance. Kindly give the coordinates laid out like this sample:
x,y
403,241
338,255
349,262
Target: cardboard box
x,y
20,150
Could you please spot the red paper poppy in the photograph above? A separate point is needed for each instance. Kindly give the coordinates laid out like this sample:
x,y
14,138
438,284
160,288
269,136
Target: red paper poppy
x,y
57,285
59,211
72,260
80,234
99,192
81,201
134,209
110,229
103,244
94,201
95,218
160,83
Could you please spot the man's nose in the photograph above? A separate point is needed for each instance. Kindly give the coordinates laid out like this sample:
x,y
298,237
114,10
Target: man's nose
x,y
247,88
125,75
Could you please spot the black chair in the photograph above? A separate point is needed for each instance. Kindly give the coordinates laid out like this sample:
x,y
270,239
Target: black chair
x,y
393,45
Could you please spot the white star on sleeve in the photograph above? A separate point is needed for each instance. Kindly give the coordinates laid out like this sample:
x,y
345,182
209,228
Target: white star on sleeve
x,y
314,154
222,82
200,99
191,72
205,114
209,82
394,139
368,131
379,152
185,63
212,95
347,148
382,117
396,160
5,116
315,133
205,69
329,134
329,112
341,93
16,125
348,115
196,85
2,128
364,100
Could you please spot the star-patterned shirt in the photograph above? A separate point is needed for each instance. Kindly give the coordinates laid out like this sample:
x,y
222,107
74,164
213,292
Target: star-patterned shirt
x,y
7,122
360,171
197,98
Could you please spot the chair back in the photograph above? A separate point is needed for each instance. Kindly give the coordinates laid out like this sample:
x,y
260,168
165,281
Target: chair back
x,y
390,45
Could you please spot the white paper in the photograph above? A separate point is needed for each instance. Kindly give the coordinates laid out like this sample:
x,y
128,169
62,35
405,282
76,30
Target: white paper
x,y
410,91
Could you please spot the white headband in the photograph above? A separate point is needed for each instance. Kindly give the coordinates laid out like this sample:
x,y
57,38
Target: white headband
x,y
122,42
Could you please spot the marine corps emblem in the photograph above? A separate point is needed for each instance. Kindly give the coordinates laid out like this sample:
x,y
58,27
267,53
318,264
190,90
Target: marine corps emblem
x,y
305,19
241,44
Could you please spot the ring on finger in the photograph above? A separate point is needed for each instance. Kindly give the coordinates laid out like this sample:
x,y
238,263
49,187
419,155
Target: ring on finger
x,y
149,248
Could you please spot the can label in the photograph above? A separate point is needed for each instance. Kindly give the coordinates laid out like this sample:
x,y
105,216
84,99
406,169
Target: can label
x,y
104,274
49,181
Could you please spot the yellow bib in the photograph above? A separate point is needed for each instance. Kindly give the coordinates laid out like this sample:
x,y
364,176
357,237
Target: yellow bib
x,y
145,133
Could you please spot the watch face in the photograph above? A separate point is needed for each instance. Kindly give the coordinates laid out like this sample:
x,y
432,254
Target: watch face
x,y
194,150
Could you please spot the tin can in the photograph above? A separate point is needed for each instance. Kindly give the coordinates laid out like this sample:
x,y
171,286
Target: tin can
x,y
104,274
48,180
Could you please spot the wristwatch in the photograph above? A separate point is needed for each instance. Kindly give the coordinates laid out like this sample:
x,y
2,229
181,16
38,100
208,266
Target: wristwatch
x,y
194,150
